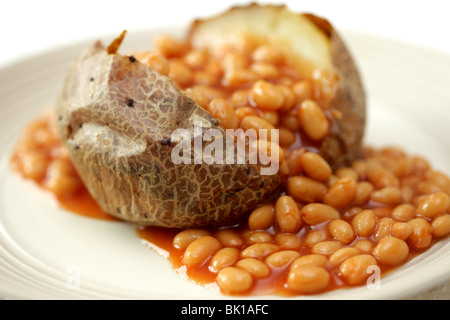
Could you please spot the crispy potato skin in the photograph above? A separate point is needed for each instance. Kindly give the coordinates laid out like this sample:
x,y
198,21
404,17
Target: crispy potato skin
x,y
116,116
344,142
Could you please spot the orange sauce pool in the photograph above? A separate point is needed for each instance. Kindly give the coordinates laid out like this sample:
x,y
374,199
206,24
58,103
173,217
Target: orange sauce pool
x,y
83,204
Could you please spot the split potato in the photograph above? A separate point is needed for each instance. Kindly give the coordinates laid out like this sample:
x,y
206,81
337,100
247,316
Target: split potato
x,y
117,116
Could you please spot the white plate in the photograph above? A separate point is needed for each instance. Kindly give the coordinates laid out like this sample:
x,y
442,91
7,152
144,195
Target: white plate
x,y
43,248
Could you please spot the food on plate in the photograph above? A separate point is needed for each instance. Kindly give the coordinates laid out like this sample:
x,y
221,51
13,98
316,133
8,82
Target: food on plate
x,y
335,214
312,47
117,116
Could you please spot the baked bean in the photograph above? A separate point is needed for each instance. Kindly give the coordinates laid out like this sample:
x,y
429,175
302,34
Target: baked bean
x,y
228,238
287,240
315,213
326,247
243,112
341,231
61,177
441,225
314,259
180,73
200,250
282,258
257,237
239,98
293,162
170,47
315,166
288,98
420,165
384,228
156,62
379,176
268,53
262,217
341,193
34,165
312,120
234,280
268,151
213,67
438,178
290,122
403,212
238,77
333,179
401,230
255,267
391,251
364,245
383,211
184,238
433,205
428,187
203,95
387,195
364,223
392,153
407,193
257,123
342,254
259,250
205,78
286,136
302,90
225,257
316,235
271,116
287,214
234,61
196,58
306,189
361,167
265,70
421,234
355,269
308,279
347,172
351,212
363,191
266,95
224,112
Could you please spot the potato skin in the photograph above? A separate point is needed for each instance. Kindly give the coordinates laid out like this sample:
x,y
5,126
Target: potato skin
x,y
344,142
116,116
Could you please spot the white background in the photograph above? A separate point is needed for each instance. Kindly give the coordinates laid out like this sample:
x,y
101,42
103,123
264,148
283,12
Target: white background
x,y
31,27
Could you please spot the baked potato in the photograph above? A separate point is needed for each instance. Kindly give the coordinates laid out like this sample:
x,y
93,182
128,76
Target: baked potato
x,y
317,49
116,117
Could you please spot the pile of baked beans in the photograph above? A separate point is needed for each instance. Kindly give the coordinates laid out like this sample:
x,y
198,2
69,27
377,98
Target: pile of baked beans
x,y
330,232
253,86
327,229
40,156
